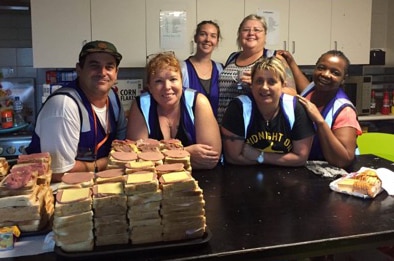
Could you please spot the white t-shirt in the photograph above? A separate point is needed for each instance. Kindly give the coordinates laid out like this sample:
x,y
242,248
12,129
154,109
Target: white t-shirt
x,y
58,126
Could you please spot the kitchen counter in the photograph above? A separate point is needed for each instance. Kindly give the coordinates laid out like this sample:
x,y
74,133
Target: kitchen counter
x,y
267,212
376,117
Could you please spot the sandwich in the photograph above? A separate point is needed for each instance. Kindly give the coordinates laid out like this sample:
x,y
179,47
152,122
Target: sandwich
x,y
171,144
109,199
76,180
168,168
178,156
154,156
44,172
145,145
73,201
366,182
118,159
177,181
124,145
141,182
146,234
136,166
110,175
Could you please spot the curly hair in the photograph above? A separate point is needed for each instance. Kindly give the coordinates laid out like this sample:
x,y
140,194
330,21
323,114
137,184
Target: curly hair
x,y
159,61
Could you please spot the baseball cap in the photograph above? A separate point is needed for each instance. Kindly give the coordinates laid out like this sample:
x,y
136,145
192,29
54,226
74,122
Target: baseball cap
x,y
100,47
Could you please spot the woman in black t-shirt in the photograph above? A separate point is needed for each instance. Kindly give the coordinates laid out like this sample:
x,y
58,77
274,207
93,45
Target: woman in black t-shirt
x,y
267,126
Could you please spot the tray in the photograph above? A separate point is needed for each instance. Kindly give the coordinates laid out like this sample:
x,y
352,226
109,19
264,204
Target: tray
x,y
9,130
123,249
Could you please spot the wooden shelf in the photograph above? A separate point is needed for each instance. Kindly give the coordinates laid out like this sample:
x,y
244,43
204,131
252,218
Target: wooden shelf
x,y
376,117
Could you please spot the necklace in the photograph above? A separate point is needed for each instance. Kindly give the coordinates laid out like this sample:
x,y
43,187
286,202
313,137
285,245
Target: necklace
x,y
267,122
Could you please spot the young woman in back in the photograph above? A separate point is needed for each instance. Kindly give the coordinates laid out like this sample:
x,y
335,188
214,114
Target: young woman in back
x,y
199,72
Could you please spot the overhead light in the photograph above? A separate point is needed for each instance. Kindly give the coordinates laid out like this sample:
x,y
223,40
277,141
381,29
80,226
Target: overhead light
x,y
14,7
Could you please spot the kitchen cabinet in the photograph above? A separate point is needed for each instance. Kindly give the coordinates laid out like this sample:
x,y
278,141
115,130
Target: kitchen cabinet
x,y
121,22
228,22
302,27
60,28
170,26
276,14
351,29
309,28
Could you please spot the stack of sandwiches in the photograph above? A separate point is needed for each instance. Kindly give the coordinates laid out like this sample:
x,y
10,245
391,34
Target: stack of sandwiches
x,y
110,214
25,195
73,218
40,162
144,199
182,207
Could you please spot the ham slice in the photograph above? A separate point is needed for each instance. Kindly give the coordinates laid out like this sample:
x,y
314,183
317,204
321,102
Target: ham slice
x,y
77,177
172,167
151,155
176,153
110,173
172,144
124,156
35,157
148,145
18,179
41,167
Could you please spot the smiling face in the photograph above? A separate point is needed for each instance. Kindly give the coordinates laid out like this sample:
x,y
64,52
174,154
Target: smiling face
x,y
207,37
97,73
165,80
266,87
252,33
329,73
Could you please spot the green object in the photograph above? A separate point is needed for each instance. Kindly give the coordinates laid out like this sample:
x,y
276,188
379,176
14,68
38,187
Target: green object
x,y
379,144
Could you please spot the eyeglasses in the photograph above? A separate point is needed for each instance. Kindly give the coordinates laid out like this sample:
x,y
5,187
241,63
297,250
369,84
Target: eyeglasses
x,y
252,30
166,53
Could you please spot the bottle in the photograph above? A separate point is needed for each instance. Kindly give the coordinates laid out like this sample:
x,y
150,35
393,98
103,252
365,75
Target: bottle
x,y
373,103
392,102
386,103
18,114
6,119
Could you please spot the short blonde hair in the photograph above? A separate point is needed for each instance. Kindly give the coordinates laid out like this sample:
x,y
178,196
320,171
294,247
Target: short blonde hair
x,y
159,61
247,18
272,64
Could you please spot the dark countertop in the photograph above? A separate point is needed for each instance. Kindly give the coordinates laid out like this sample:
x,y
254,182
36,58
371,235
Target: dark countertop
x,y
268,212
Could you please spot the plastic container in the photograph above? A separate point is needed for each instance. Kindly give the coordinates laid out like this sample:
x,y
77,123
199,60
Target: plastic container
x,y
18,112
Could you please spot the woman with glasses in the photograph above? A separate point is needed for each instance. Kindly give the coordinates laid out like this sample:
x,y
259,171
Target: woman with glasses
x,y
267,126
167,111
199,72
236,77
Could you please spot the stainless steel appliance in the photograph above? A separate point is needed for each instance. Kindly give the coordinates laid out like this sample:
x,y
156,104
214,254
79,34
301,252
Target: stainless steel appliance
x,y
358,88
14,140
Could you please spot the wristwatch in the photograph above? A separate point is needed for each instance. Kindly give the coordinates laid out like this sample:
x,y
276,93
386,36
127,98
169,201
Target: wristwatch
x,y
260,158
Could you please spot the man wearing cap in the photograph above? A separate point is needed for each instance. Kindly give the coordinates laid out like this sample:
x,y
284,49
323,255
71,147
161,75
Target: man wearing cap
x,y
78,123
